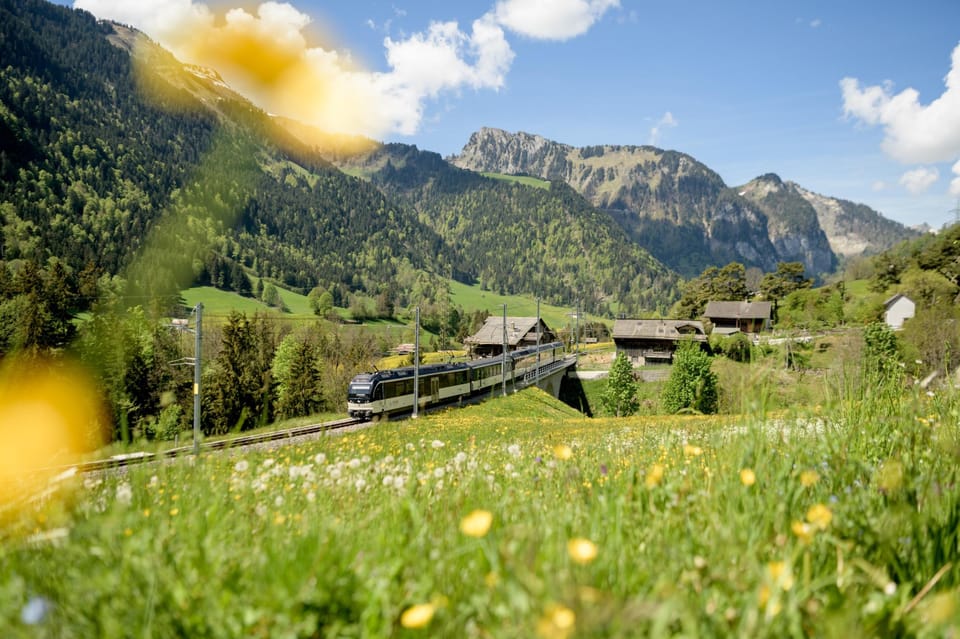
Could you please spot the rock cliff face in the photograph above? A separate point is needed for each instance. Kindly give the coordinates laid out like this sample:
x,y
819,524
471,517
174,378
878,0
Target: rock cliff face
x,y
683,213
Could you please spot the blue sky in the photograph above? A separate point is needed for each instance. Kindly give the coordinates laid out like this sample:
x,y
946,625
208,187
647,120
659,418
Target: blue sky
x,y
745,87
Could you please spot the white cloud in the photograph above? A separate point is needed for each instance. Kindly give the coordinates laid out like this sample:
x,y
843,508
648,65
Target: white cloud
x,y
265,54
879,185
551,19
667,121
816,22
955,182
913,132
920,179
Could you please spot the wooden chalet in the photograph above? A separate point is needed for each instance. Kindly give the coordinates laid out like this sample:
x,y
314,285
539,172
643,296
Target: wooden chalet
x,y
738,317
521,332
653,341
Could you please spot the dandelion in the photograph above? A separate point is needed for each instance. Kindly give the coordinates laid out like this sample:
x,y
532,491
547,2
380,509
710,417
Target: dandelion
x,y
353,464
557,622
692,451
267,463
360,484
808,478
803,531
437,444
820,516
748,477
278,502
514,449
581,550
174,512
417,616
241,466
779,573
477,523
562,452
654,476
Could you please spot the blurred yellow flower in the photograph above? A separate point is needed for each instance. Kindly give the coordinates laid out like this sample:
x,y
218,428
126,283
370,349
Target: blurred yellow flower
x,y
654,476
820,516
174,512
809,478
692,451
747,477
803,531
477,523
417,616
557,622
562,451
779,573
581,550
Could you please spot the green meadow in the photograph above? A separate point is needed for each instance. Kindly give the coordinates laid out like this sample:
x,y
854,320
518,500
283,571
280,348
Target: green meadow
x,y
515,518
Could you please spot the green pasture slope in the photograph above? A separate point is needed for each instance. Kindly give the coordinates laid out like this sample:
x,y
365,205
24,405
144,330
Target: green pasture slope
x,y
515,518
526,180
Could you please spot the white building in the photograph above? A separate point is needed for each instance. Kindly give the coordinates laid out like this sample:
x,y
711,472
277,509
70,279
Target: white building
x,y
897,310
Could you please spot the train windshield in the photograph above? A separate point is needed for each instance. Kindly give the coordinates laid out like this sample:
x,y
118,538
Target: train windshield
x,y
358,392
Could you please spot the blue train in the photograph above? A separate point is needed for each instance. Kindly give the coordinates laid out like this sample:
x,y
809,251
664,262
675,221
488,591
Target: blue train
x,y
384,393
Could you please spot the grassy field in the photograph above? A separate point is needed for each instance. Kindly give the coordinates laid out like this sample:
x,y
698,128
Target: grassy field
x,y
515,518
526,180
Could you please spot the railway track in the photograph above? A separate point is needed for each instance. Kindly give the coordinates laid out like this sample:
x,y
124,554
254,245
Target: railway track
x,y
121,461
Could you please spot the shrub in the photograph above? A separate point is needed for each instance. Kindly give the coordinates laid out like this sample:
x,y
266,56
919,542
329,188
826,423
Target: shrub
x,y
692,385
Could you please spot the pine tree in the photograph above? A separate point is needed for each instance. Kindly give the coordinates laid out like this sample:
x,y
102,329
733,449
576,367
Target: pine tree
x,y
620,395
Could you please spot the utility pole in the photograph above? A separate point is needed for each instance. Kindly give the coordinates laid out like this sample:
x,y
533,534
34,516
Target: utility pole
x,y
196,377
956,212
416,364
503,353
536,374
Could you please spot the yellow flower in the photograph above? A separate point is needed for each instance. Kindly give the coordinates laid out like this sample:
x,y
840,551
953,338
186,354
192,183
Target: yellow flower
x,y
174,512
562,451
747,477
780,573
654,476
556,623
477,523
809,478
692,451
581,550
803,531
417,616
820,516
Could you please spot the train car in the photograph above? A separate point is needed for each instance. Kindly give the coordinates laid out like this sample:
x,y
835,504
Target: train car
x,y
385,393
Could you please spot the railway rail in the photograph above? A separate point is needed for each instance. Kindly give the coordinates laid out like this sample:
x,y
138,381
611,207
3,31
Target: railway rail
x,y
121,461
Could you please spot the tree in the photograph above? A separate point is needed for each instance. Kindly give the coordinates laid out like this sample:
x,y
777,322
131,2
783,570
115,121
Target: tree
x,y
295,369
789,277
692,385
727,284
620,396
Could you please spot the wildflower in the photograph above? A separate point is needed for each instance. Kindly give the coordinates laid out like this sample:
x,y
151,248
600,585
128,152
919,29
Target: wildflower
x,y
278,501
360,484
819,516
808,478
437,444
603,469
353,464
748,477
581,550
514,449
692,451
654,476
477,523
35,611
417,616
241,466
388,480
320,459
124,494
174,512
556,623
803,531
267,463
562,451
311,496
779,573
438,472
460,458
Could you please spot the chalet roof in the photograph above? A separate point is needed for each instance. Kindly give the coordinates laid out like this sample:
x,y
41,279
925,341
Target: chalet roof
x,y
738,310
892,300
517,328
666,329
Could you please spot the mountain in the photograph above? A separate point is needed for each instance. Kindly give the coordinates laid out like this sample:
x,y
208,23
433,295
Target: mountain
x,y
510,236
117,156
683,213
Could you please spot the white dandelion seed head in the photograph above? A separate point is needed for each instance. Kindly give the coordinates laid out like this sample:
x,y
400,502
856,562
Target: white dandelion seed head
x,y
514,449
320,458
438,473
278,501
360,484
241,466
353,464
437,444
124,494
261,510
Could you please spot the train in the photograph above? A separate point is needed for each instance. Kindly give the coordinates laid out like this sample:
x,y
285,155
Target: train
x,y
379,395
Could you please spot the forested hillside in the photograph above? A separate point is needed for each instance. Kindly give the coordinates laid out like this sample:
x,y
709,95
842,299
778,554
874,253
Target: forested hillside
x,y
516,238
95,153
